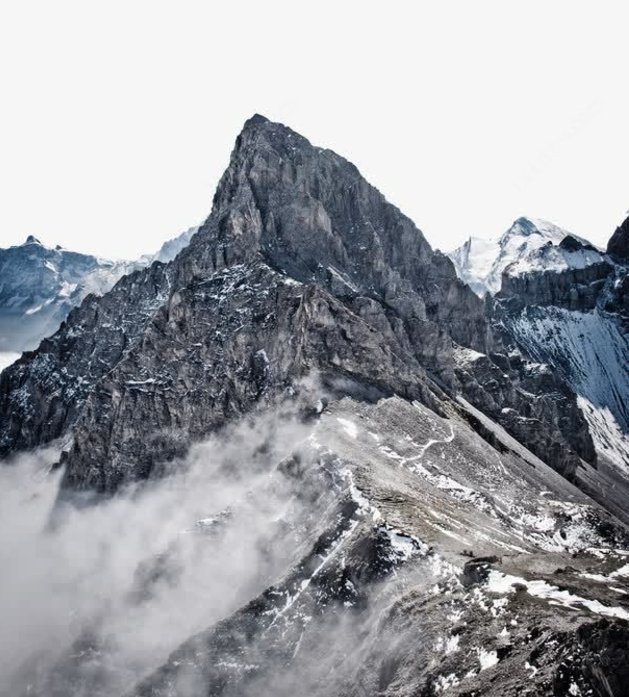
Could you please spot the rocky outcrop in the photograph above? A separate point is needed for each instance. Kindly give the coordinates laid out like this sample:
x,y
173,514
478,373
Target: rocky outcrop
x,y
574,289
44,392
235,339
512,381
618,245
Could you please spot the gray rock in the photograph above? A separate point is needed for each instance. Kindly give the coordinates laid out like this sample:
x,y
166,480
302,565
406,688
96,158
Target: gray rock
x,y
618,245
183,347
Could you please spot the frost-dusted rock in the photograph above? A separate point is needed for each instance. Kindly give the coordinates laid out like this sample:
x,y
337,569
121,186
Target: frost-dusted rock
x,y
226,343
43,392
572,288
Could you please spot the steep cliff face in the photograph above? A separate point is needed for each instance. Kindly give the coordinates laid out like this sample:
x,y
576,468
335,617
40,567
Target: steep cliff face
x,y
571,274
226,342
308,212
44,391
365,299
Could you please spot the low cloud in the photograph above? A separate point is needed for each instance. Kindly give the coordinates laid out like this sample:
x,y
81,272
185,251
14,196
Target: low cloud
x,y
114,588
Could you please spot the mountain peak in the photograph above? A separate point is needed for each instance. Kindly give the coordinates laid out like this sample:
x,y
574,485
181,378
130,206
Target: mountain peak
x,y
255,120
31,239
308,212
525,226
481,263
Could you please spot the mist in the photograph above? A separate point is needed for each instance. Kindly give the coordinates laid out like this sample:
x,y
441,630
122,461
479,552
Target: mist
x,y
115,587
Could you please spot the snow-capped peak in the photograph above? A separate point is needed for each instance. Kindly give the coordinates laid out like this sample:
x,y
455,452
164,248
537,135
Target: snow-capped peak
x,y
534,227
570,253
480,263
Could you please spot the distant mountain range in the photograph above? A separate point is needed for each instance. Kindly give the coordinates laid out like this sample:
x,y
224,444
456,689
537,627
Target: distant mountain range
x,y
39,286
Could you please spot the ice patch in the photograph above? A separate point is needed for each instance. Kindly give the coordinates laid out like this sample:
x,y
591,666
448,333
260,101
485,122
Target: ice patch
x,y
445,682
452,644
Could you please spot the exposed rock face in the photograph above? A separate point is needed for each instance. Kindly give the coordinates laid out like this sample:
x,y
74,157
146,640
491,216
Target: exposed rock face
x,y
42,394
283,208
308,212
574,289
618,244
490,386
226,342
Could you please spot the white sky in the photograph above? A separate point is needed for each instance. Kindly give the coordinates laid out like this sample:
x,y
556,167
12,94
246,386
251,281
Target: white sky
x,y
117,118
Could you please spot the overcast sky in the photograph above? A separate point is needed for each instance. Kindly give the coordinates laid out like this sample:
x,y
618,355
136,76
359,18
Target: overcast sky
x,y
117,118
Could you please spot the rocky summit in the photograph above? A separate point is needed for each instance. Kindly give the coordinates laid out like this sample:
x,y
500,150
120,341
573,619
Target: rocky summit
x,y
339,468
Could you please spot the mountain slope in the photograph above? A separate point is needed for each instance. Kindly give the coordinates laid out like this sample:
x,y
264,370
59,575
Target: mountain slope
x,y
415,558
388,603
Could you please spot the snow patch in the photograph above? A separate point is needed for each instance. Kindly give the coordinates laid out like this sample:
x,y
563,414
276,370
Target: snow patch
x,y
349,427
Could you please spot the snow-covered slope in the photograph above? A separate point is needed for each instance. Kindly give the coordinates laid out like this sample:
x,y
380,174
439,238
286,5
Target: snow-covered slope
x,y
474,261
39,285
566,305
561,301
590,350
480,263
